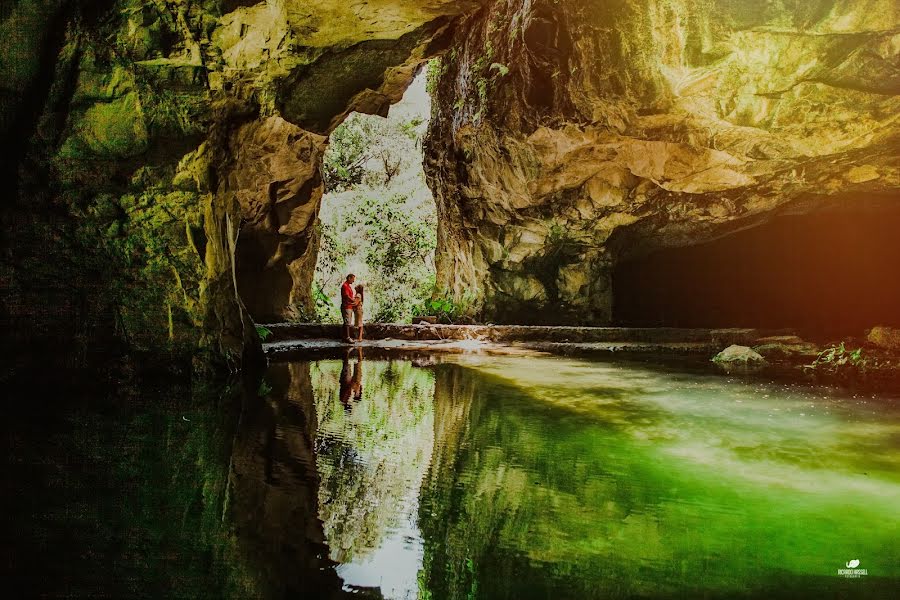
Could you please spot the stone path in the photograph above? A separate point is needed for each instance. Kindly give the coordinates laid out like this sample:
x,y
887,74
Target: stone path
x,y
290,337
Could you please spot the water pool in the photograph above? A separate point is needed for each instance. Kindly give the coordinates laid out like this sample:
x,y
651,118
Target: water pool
x,y
547,477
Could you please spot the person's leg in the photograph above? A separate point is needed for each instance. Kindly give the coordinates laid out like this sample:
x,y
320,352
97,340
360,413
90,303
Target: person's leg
x,y
359,324
347,314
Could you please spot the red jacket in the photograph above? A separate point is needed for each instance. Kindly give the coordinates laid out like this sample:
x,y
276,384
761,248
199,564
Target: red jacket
x,y
348,295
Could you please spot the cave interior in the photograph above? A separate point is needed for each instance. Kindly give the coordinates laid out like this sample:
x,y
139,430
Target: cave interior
x,y
830,272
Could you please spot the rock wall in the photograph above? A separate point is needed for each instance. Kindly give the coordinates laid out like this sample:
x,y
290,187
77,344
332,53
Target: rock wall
x,y
166,153
570,135
175,146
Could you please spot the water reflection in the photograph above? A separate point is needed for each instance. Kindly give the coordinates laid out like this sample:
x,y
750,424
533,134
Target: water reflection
x,y
475,477
540,477
274,487
372,461
351,385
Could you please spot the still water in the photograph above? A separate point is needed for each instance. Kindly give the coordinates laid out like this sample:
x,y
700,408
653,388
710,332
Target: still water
x,y
547,477
460,477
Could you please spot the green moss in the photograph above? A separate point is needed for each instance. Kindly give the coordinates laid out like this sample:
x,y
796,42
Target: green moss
x,y
101,84
113,129
150,248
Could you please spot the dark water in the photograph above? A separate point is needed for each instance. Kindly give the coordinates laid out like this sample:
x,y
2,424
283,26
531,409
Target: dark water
x,y
503,477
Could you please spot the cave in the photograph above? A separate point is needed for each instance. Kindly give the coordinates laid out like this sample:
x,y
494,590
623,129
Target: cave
x,y
196,145
822,273
183,421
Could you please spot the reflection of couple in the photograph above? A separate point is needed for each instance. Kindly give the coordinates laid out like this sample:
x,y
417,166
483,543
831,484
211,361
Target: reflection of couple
x,y
352,308
351,386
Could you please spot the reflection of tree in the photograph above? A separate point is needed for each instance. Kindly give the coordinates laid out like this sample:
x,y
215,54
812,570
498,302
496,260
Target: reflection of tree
x,y
370,457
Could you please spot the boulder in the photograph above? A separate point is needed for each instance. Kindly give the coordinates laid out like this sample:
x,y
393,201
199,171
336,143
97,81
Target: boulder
x,y
884,337
737,358
784,346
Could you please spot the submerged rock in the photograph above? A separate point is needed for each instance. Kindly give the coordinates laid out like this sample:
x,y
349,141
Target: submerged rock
x,y
739,358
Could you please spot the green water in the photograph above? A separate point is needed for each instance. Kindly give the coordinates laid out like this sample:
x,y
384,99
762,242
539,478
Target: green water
x,y
524,477
459,477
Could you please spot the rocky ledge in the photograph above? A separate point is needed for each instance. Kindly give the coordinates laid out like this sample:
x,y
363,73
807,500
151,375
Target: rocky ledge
x,y
873,361
612,337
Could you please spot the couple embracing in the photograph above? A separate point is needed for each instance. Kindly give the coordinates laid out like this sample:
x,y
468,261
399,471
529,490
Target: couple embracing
x,y
352,308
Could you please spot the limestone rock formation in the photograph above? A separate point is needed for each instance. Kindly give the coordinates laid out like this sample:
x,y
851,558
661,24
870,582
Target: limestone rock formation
x,y
186,136
784,346
887,338
568,136
275,178
189,135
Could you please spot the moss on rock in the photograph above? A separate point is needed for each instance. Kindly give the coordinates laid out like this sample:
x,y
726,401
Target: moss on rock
x,y
108,130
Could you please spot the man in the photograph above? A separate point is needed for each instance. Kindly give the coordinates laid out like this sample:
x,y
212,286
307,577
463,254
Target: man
x,y
349,302
351,385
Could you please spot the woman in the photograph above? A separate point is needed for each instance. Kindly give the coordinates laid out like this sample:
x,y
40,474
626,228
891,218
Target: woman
x,y
358,311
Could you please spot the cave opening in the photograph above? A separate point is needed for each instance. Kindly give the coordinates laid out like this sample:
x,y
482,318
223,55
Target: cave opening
x,y
378,218
831,272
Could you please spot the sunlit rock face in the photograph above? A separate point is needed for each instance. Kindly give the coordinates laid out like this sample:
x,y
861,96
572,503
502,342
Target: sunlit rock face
x,y
218,108
570,135
275,178
306,68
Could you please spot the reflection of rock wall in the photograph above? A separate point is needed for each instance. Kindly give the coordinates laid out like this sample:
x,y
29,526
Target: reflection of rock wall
x,y
454,394
571,480
456,410
274,484
568,135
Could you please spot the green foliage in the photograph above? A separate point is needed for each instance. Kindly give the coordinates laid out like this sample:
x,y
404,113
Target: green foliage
x,y
396,248
397,240
501,69
412,127
435,69
264,389
326,310
263,332
399,252
344,163
323,309
382,224
485,74
838,358
445,309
